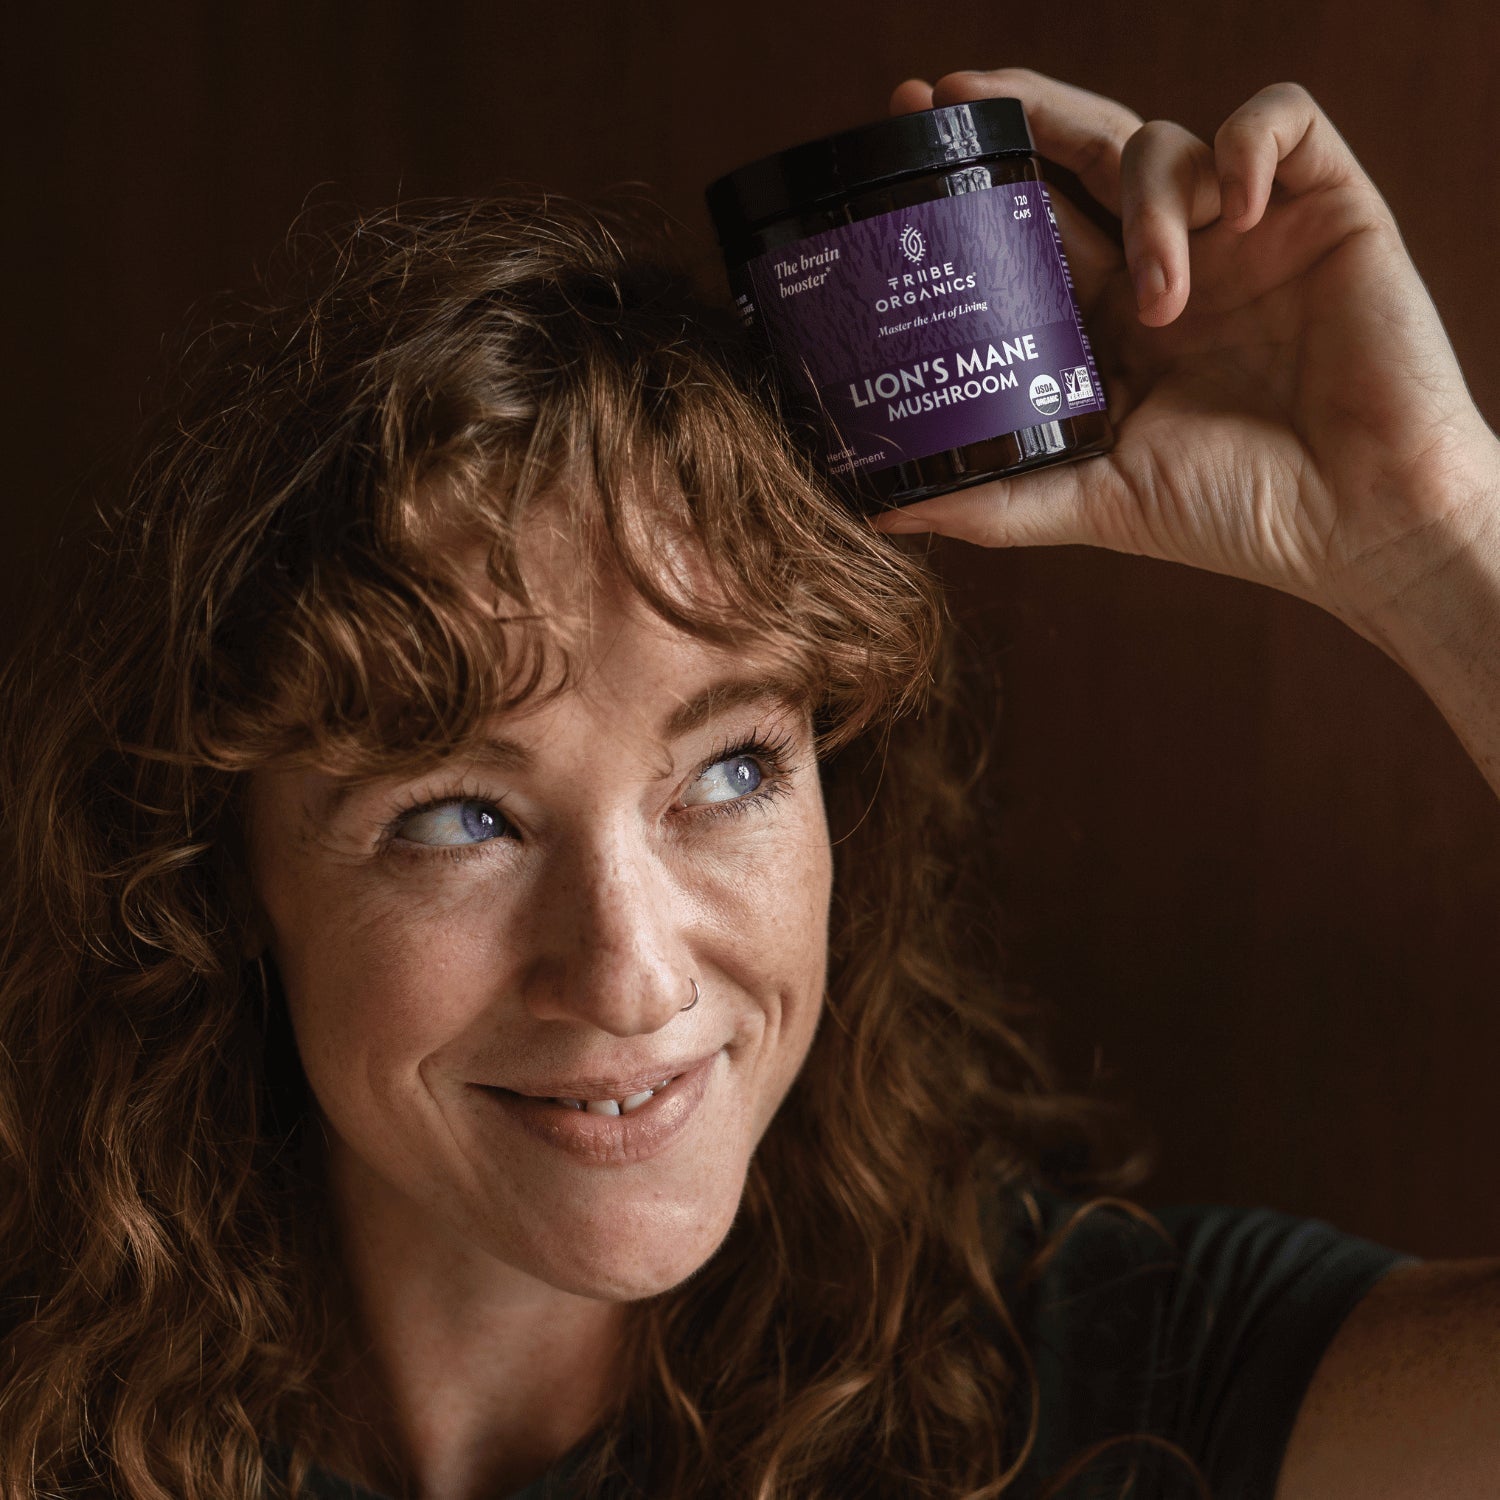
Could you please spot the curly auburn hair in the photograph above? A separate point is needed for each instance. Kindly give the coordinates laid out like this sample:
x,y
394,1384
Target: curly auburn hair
x,y
268,592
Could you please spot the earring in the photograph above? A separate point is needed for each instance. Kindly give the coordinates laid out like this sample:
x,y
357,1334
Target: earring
x,y
691,1003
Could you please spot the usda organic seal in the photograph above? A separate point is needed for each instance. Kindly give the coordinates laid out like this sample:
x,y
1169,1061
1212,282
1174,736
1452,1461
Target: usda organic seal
x,y
1046,395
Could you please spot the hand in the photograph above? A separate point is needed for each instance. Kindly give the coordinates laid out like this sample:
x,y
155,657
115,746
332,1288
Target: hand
x,y
1287,406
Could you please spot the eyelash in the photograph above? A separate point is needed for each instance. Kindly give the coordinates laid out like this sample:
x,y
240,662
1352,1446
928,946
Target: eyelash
x,y
773,752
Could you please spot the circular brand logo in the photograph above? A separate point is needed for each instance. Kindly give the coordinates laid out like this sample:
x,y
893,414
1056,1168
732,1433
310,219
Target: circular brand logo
x,y
913,246
1046,395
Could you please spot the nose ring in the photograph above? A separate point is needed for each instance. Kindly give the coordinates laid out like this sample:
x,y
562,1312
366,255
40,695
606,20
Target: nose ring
x,y
691,1003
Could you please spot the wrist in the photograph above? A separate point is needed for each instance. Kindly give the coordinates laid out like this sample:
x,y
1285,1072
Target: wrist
x,y
1436,586
1435,610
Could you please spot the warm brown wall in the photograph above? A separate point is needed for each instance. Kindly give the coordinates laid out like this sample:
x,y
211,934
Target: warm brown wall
x,y
1243,856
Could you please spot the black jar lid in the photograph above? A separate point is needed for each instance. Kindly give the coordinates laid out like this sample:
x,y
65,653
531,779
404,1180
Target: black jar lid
x,y
800,177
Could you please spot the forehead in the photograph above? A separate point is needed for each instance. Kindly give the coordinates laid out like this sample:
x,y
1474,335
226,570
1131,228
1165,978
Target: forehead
x,y
599,640
623,665
580,602
566,552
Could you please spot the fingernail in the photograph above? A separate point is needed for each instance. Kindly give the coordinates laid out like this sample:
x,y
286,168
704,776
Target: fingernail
x,y
1234,199
897,525
1150,283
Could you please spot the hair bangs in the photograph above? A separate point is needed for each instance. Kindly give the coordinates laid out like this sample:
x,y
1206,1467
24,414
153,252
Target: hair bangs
x,y
671,475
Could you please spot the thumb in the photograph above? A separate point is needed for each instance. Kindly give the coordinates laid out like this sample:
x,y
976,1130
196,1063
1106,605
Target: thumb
x,y
1053,507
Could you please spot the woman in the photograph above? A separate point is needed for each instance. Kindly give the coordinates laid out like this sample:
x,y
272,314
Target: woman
x,y
487,1001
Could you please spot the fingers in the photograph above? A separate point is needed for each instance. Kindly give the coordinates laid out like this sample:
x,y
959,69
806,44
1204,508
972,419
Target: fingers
x,y
1160,179
1168,186
908,97
1056,506
1279,134
1079,130
1092,255
1172,182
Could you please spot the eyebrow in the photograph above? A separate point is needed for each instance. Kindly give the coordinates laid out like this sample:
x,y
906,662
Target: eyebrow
x,y
715,699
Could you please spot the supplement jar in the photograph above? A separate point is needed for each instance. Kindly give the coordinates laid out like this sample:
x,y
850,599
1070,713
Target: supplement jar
x,y
909,280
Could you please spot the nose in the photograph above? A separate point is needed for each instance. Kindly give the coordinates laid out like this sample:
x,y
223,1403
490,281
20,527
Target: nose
x,y
606,939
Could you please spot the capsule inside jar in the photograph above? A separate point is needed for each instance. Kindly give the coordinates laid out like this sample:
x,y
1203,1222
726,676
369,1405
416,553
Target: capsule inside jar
x,y
910,283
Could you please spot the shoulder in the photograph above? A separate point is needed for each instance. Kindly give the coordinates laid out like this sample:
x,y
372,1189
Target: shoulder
x,y
1405,1403
1186,1337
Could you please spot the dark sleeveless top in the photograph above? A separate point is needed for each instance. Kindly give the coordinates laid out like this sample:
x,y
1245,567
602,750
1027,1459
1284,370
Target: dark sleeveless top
x,y
1205,1339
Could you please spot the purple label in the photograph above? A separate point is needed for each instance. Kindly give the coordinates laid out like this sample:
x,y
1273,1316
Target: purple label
x,y
931,328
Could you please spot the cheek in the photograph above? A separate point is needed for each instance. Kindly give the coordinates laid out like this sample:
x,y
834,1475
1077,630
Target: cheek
x,y
772,922
808,915
792,957
768,894
374,985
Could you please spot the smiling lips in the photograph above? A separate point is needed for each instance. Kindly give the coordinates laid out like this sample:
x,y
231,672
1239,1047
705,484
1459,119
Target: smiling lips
x,y
606,1106
597,1094
611,1131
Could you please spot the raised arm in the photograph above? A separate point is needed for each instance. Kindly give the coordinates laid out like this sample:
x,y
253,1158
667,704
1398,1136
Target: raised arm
x,y
1289,409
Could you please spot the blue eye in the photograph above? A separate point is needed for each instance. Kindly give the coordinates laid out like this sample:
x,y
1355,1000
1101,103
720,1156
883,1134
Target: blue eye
x,y
452,824
743,777
740,777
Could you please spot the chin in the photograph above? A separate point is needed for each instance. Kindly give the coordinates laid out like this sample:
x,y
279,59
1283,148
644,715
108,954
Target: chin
x,y
602,1263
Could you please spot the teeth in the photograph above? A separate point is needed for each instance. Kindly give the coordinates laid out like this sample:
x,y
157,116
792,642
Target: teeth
x,y
612,1106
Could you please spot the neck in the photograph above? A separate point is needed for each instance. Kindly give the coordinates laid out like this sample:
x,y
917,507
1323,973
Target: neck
x,y
465,1378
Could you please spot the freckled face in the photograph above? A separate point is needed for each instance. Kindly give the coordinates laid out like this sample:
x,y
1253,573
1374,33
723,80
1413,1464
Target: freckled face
x,y
507,922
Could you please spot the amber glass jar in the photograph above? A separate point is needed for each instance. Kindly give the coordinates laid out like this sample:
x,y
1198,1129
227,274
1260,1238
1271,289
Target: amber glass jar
x,y
909,281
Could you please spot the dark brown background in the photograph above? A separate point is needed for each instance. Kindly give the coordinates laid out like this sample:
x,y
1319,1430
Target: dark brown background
x,y
1243,855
